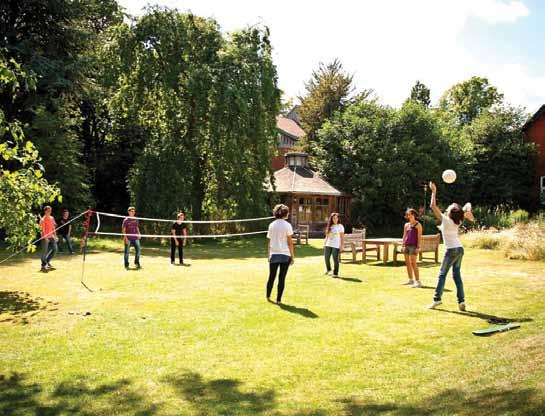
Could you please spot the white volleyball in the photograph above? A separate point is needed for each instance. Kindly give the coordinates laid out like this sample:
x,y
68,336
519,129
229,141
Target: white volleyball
x,y
449,176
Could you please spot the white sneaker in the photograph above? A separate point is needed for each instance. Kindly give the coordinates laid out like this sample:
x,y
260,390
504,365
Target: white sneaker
x,y
417,284
327,273
409,282
335,276
462,306
435,304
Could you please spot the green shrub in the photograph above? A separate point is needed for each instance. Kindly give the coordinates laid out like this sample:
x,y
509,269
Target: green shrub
x,y
497,218
519,216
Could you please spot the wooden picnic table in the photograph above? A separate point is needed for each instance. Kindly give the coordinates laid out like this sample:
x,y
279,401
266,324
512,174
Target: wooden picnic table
x,y
385,243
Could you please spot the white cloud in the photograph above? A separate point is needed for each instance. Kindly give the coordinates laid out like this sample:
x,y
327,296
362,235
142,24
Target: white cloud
x,y
492,11
387,44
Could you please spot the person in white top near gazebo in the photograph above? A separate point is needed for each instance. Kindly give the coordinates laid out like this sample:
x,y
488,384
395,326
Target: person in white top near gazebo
x,y
334,240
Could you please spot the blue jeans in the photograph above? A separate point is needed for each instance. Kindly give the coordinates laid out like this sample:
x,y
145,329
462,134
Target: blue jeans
x,y
328,251
136,244
453,257
49,248
68,242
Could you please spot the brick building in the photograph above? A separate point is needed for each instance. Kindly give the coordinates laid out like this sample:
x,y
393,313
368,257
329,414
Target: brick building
x,y
534,131
290,133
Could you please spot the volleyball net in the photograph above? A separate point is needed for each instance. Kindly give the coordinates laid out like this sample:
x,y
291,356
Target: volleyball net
x,y
115,225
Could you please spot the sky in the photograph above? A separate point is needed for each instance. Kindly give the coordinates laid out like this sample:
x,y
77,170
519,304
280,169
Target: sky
x,y
390,44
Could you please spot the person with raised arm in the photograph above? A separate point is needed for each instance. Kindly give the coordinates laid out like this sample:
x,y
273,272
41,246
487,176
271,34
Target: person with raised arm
x,y
451,221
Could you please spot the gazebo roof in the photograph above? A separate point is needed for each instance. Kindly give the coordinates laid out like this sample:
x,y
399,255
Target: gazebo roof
x,y
301,180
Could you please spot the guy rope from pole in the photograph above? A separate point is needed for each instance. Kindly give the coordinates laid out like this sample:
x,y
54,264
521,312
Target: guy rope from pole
x,y
83,243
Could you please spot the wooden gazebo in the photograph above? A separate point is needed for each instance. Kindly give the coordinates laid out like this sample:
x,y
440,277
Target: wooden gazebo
x,y
309,196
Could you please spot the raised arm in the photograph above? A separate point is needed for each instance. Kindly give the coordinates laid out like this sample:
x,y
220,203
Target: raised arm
x,y
433,204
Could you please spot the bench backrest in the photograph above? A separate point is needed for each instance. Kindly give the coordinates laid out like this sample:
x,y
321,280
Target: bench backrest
x,y
354,238
430,242
303,228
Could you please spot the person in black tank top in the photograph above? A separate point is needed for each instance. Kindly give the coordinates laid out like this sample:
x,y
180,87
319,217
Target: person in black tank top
x,y
178,240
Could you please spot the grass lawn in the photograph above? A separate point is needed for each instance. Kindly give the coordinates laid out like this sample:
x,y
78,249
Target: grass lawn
x,y
202,340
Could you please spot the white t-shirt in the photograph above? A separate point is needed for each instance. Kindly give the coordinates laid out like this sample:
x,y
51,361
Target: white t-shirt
x,y
334,236
450,233
278,233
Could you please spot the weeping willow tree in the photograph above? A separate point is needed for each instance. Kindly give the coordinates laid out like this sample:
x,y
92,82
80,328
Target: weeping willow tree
x,y
205,104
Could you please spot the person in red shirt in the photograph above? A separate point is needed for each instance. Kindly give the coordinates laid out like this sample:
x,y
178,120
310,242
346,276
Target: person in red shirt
x,y
49,239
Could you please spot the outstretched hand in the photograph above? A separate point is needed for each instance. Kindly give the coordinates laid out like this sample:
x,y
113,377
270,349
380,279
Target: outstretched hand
x,y
433,187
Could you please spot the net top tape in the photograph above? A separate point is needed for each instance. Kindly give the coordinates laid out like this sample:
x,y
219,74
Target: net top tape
x,y
107,214
180,236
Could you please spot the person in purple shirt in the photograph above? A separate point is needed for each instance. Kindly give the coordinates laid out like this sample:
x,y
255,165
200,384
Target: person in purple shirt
x,y
131,237
412,242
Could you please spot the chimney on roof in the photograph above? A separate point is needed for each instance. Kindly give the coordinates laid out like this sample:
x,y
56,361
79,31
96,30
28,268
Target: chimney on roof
x,y
296,159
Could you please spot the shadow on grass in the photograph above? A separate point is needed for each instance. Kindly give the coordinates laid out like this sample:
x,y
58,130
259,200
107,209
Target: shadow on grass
x,y
491,319
421,265
20,307
19,396
214,249
227,396
433,288
307,313
222,396
490,401
349,279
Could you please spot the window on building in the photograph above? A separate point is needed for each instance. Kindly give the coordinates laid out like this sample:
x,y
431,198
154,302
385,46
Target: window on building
x,y
305,209
342,206
322,209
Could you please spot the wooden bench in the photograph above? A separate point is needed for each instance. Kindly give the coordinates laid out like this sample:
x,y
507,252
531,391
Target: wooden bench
x,y
354,243
302,231
430,244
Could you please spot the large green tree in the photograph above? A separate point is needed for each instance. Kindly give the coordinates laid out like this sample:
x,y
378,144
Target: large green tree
x,y
204,106
382,156
328,90
54,39
502,160
420,94
23,188
467,100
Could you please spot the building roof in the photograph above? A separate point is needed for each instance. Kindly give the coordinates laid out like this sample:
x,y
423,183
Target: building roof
x,y
301,180
540,113
289,127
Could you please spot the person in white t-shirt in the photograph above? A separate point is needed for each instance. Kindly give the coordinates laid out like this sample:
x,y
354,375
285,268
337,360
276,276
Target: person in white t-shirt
x,y
281,253
334,240
450,224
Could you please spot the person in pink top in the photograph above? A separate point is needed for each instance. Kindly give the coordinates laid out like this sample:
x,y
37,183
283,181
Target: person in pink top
x,y
49,239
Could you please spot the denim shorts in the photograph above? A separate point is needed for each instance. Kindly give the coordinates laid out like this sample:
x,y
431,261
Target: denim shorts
x,y
410,250
279,258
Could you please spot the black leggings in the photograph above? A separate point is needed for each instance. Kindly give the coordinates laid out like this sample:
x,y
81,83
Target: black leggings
x,y
273,268
180,250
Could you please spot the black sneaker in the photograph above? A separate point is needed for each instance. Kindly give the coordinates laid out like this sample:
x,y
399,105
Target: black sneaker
x,y
138,267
